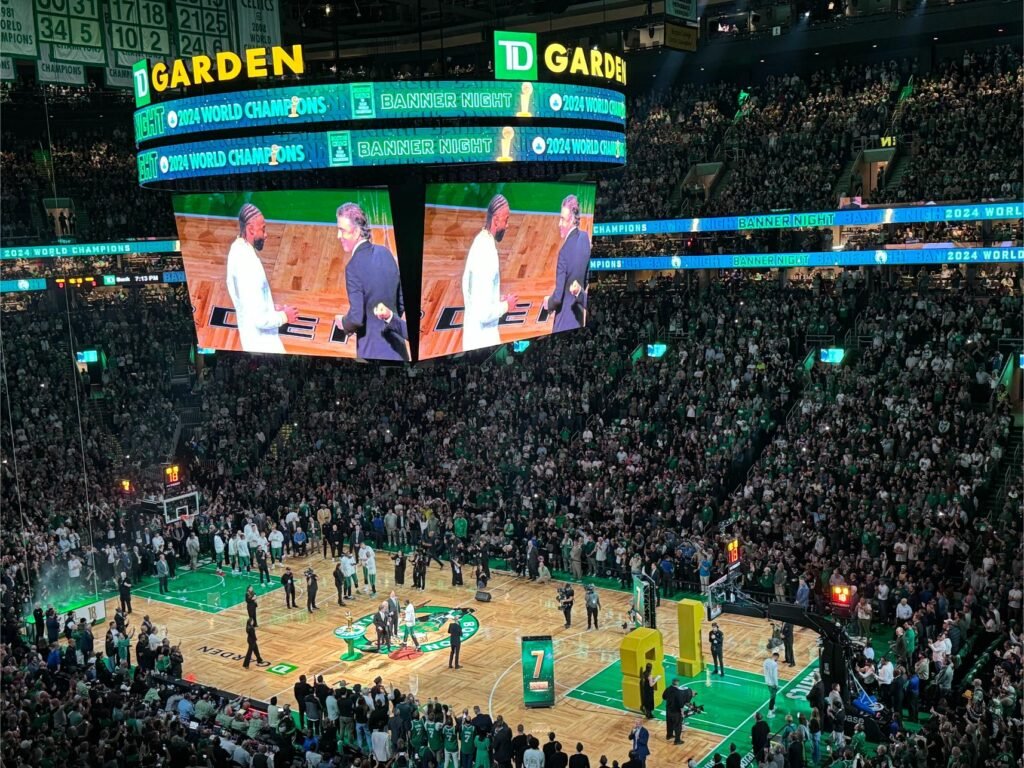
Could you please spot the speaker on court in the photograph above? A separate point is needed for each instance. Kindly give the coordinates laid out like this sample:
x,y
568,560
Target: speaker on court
x,y
483,597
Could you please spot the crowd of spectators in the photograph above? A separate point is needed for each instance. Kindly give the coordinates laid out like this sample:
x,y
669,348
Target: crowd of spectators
x,y
966,130
874,478
666,133
874,473
795,135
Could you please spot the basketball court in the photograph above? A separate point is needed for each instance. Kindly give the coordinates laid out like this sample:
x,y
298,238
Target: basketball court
x,y
204,614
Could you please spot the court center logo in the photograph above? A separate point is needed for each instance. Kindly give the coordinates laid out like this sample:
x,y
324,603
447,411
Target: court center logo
x,y
431,629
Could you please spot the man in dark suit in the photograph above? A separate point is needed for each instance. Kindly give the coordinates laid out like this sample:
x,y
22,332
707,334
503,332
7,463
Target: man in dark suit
x,y
482,721
760,736
288,582
673,712
568,300
302,690
253,647
580,759
501,743
455,633
376,313
520,743
639,737
795,751
734,760
787,640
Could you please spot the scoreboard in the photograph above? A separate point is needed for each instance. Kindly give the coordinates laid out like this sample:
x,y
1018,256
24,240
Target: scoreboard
x,y
343,102
399,146
70,22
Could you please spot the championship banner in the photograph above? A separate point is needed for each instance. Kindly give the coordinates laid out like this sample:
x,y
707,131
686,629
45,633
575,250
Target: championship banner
x,y
70,22
118,77
538,659
258,23
7,71
139,29
203,27
77,54
18,29
48,71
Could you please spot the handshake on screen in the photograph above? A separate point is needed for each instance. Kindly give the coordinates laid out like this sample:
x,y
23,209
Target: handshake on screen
x,y
574,288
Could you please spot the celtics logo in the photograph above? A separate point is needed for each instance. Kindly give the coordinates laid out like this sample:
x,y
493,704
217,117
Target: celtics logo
x,y
431,629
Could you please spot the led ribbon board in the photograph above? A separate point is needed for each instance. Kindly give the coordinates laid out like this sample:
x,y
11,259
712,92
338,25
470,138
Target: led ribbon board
x,y
85,250
813,259
346,102
862,218
398,146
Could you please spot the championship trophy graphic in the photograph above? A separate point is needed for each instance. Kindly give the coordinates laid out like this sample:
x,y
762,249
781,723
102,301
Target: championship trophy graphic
x,y
507,134
274,149
524,100
294,111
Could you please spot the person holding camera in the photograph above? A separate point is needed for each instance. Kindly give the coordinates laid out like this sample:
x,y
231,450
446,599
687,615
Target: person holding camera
x,y
566,598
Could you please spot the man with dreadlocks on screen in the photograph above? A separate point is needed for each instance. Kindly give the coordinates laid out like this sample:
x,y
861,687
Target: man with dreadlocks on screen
x,y
481,282
376,311
257,316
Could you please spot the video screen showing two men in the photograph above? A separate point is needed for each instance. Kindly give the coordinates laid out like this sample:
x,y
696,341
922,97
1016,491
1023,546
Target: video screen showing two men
x,y
503,262
312,272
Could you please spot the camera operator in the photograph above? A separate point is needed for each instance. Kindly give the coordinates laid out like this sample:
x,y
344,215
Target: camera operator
x,y
566,598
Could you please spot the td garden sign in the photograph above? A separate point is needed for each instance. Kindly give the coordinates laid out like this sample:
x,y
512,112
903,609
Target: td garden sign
x,y
255,63
517,56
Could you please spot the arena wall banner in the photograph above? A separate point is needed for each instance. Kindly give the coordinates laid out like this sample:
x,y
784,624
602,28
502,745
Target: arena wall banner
x,y
18,29
70,22
203,27
258,23
7,70
48,71
864,217
340,274
483,243
139,29
78,54
118,77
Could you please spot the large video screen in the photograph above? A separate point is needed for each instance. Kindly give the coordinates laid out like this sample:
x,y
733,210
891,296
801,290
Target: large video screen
x,y
311,272
503,262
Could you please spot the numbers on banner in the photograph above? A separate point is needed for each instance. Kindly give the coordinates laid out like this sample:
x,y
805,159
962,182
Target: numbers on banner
x,y
538,663
53,29
153,14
